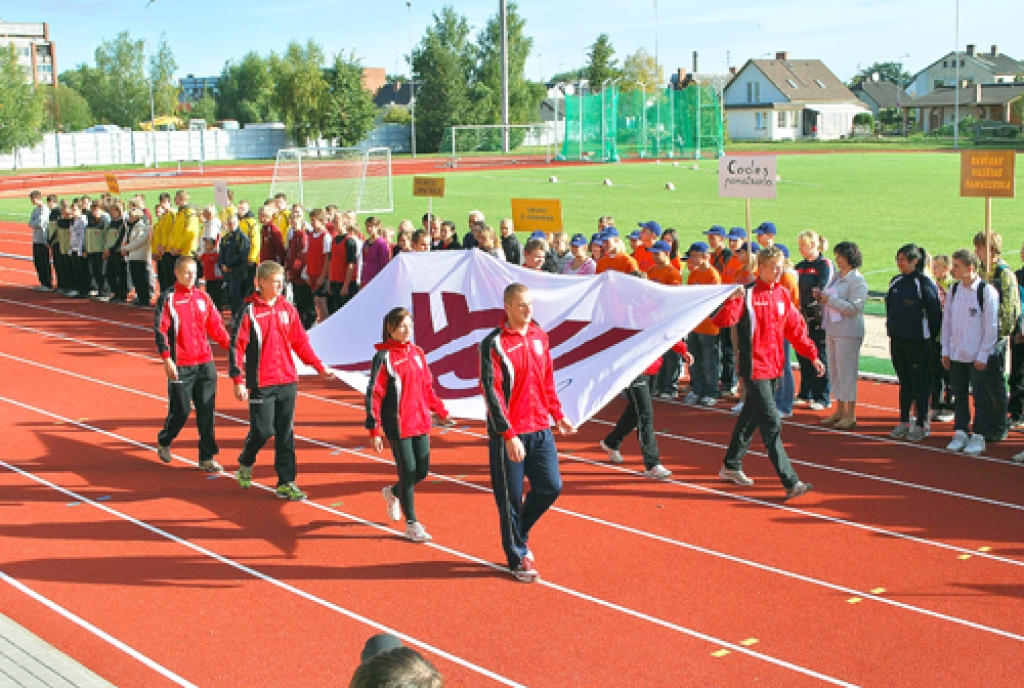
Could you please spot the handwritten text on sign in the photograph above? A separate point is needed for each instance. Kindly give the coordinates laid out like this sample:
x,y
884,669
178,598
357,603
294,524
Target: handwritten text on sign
x,y
531,214
428,187
988,173
747,176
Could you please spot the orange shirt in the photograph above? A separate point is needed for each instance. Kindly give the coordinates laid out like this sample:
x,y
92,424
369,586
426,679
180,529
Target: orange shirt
x,y
643,258
790,281
706,275
733,269
677,264
619,263
667,275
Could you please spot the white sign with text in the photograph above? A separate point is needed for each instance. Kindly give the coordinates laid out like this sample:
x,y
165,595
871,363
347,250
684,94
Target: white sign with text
x,y
747,176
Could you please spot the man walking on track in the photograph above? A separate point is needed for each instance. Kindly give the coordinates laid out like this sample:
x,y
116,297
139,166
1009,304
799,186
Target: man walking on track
x,y
184,318
517,377
764,316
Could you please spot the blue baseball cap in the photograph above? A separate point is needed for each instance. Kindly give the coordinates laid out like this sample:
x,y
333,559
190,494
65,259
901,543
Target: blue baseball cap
x,y
750,246
784,249
716,230
660,247
699,247
597,238
737,233
578,240
766,228
635,236
652,227
538,235
608,233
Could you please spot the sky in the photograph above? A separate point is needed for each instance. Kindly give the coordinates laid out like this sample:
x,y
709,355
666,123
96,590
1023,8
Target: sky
x,y
846,34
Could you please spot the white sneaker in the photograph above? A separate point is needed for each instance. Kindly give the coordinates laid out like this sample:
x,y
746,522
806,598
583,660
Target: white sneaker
x,y
738,477
691,399
1019,458
737,408
960,440
816,406
416,532
945,416
73,293
708,401
917,433
900,431
614,455
658,472
394,504
976,446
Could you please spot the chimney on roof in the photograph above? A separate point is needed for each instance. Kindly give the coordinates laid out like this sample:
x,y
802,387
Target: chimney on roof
x,y
995,51
782,55
972,49
681,76
733,70
695,70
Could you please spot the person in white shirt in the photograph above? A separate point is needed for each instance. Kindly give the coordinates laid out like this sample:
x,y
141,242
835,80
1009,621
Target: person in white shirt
x,y
970,329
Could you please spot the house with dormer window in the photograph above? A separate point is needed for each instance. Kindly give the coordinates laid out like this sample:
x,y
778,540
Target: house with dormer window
x,y
973,67
784,99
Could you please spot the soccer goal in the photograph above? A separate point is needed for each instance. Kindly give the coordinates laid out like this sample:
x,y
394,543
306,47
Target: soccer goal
x,y
483,144
350,178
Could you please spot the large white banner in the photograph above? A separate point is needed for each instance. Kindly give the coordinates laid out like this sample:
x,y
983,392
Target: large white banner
x,y
604,330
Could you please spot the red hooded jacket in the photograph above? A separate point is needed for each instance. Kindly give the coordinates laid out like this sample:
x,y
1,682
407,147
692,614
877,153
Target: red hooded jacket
x,y
401,395
264,341
184,319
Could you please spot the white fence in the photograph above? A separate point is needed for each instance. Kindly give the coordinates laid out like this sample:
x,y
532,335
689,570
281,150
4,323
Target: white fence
x,y
144,147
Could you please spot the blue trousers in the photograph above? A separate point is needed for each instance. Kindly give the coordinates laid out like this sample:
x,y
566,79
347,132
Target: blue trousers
x,y
784,392
704,373
518,515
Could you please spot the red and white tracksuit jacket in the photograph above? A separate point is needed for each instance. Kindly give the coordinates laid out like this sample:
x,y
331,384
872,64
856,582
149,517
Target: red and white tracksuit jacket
x,y
400,396
183,321
264,341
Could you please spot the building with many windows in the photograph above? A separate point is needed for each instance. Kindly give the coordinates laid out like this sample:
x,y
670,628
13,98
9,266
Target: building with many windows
x,y
36,52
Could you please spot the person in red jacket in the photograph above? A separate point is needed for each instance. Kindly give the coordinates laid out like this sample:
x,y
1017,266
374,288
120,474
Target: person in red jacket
x,y
399,401
268,333
184,319
517,378
765,317
639,415
271,240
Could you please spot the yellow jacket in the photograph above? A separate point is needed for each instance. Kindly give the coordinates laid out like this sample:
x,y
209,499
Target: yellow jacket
x,y
251,229
283,220
185,231
162,231
226,212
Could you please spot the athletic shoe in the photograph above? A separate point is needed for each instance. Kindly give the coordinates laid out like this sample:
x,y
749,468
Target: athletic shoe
x,y
691,399
394,504
737,408
800,401
801,488
1019,458
976,445
291,492
945,416
73,294
42,288
817,406
960,440
785,414
525,573
614,455
210,466
900,432
245,477
708,401
658,472
738,477
416,532
1017,425
529,557
163,452
916,433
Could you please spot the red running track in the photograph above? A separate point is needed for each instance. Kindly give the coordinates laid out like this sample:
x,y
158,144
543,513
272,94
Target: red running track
x,y
646,583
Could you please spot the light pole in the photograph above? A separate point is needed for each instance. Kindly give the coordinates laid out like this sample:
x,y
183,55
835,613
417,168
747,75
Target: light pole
x,y
657,130
152,107
643,119
956,88
503,13
412,83
899,87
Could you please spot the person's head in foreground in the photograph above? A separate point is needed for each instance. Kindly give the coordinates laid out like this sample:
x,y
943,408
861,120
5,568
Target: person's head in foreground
x,y
771,263
185,271
518,306
965,266
386,663
660,251
270,280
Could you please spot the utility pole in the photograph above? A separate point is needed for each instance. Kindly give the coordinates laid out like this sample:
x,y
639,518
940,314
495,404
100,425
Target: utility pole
x,y
956,88
657,88
412,82
152,107
504,76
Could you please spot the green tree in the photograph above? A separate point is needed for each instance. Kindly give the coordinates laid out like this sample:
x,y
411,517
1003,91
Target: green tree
x,y
21,106
66,106
601,63
892,72
246,90
162,66
301,90
443,65
641,66
349,110
205,108
396,114
123,90
523,97
569,77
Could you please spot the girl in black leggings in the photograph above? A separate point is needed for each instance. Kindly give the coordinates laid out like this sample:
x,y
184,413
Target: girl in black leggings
x,y
399,401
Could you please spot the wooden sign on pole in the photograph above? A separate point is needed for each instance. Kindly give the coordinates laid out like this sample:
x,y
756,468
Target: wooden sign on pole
x,y
429,188
988,174
747,176
112,185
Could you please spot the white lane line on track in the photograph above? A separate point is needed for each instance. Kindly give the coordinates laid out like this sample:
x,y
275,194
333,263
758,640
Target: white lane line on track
x,y
370,524
96,631
623,528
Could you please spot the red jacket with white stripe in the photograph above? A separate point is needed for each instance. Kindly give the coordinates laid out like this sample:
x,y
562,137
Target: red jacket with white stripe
x,y
518,381
400,396
678,347
183,321
264,341
764,317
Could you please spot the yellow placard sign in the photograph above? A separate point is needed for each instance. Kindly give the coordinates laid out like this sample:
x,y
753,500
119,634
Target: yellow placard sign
x,y
532,214
432,187
112,185
988,173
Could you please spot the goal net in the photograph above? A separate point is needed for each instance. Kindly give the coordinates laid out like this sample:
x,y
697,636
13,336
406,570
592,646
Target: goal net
x,y
483,144
350,178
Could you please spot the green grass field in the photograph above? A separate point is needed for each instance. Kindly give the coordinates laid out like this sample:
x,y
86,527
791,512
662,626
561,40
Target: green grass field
x,y
881,201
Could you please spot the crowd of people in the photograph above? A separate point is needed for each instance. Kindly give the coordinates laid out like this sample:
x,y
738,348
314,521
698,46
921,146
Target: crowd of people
x,y
281,270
